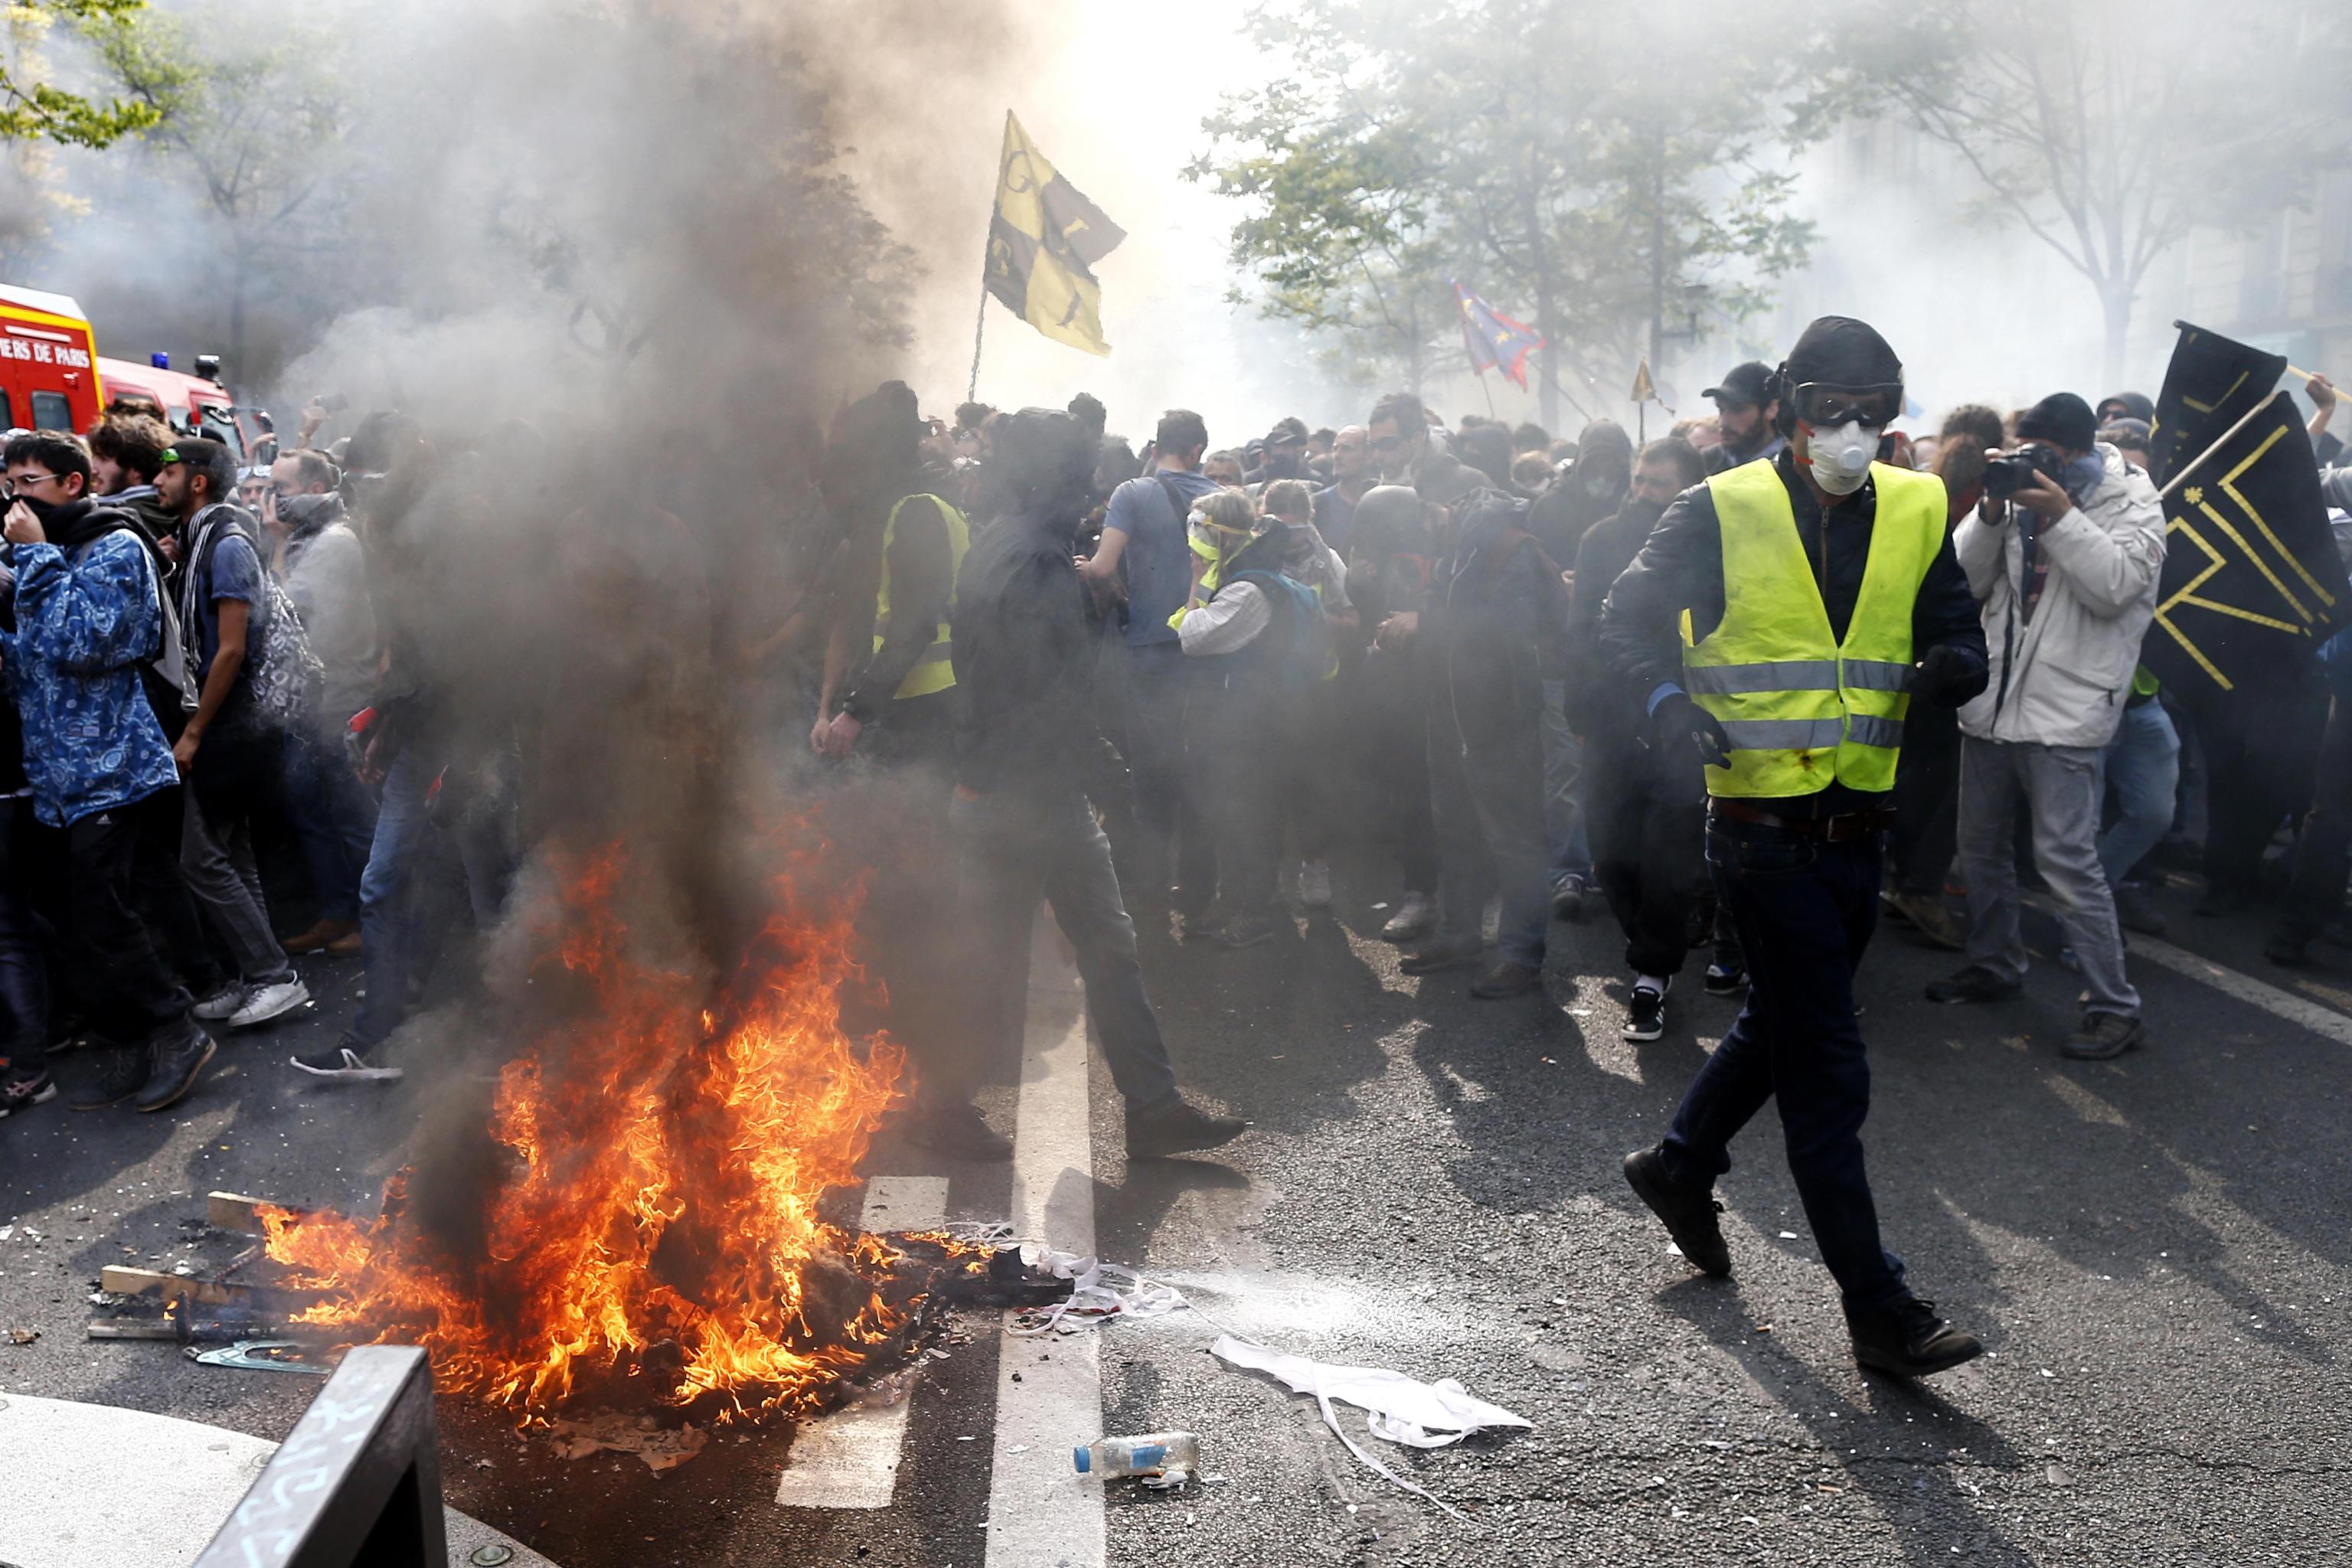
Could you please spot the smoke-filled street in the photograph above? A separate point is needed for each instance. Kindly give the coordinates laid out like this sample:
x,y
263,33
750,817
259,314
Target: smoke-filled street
x,y
1432,1187
1061,786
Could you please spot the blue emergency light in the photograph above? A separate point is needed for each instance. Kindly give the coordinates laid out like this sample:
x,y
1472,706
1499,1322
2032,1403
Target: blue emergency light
x,y
160,361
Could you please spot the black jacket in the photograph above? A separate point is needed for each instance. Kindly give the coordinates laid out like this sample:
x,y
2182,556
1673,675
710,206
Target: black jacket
x,y
1491,624
1600,705
1681,567
1024,661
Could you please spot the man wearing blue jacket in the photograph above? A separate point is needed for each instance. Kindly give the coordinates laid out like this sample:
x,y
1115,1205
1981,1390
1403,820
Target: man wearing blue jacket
x,y
89,618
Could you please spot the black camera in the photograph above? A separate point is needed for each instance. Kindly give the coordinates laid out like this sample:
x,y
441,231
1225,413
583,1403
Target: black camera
x,y
2008,472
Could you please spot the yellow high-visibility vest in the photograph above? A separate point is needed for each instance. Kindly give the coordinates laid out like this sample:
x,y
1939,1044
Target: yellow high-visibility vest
x,y
1801,709
935,672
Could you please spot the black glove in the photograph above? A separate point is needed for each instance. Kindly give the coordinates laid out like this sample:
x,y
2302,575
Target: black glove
x,y
1946,677
1677,722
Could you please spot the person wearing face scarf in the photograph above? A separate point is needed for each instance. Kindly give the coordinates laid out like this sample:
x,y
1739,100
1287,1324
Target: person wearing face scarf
x,y
1778,624
2067,568
88,616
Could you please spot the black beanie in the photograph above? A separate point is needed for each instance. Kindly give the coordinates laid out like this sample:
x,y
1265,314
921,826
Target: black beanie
x,y
2062,419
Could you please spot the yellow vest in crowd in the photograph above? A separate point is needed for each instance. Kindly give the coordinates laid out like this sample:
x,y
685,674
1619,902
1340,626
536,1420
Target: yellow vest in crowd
x,y
935,672
1803,710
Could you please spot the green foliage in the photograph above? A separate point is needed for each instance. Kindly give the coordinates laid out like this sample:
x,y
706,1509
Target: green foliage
x,y
1590,166
36,111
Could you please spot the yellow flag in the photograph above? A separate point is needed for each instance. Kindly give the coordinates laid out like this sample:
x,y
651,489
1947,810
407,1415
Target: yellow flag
x,y
1042,244
1644,391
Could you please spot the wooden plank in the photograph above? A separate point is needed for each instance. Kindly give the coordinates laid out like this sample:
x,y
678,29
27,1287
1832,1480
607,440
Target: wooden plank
x,y
124,1281
233,1211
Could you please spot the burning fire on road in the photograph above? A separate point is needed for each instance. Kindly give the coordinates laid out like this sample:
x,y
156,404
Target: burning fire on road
x,y
653,1239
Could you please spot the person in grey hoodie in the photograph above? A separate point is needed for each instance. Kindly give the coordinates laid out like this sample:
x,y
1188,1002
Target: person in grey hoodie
x,y
324,568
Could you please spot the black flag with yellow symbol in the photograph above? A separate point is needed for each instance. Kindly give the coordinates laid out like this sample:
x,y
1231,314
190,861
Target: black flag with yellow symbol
x,y
1042,244
2251,583
2211,384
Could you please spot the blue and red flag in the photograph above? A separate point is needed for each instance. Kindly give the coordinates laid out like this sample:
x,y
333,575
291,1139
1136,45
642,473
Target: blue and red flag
x,y
1494,340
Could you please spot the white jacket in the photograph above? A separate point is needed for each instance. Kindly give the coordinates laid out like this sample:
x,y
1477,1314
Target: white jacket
x,y
2061,678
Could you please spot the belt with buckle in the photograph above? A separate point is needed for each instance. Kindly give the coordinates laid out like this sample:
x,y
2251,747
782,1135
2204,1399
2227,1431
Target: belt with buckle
x,y
1842,828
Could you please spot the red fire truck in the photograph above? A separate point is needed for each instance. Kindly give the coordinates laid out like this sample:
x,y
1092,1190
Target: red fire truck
x,y
51,378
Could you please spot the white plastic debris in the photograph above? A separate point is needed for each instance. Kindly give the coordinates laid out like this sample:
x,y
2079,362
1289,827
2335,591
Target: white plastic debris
x,y
1099,1291
1403,1409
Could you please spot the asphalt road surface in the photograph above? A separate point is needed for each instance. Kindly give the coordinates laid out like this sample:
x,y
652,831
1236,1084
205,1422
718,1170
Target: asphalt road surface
x,y
2155,1251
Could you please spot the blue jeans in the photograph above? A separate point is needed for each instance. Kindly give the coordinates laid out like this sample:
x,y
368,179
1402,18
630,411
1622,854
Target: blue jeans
x,y
1563,807
1488,808
388,920
2142,765
333,820
1013,848
1804,909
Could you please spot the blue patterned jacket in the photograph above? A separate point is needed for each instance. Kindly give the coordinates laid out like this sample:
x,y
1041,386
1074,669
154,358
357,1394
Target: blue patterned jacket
x,y
84,627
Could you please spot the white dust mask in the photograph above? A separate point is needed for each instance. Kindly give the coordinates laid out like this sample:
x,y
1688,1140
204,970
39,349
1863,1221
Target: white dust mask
x,y
1842,456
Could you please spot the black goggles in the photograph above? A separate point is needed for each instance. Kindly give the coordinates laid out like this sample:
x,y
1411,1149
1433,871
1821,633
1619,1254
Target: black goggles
x,y
1822,403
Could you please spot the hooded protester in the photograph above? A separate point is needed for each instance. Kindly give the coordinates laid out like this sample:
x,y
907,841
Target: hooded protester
x,y
1022,829
1645,807
1591,488
1492,620
324,568
1388,556
1588,489
1779,622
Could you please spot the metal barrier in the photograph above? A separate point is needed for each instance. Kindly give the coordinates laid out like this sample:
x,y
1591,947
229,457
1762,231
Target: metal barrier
x,y
357,1483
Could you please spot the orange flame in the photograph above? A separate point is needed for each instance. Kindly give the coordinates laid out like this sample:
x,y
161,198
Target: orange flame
x,y
660,1218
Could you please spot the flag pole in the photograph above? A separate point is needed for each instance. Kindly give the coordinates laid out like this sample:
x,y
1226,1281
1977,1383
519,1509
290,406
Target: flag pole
x,y
1489,391
971,392
2190,467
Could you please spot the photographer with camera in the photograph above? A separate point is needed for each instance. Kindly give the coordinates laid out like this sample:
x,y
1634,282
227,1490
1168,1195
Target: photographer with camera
x,y
2064,552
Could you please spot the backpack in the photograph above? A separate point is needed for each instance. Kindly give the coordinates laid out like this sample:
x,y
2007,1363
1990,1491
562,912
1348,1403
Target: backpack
x,y
283,676
1298,650
166,677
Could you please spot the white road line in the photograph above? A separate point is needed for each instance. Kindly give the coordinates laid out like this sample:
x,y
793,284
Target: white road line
x,y
2286,1005
1041,1513
850,1458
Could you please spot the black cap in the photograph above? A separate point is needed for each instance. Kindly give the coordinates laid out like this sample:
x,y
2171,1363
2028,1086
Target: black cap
x,y
2127,406
1746,384
1283,436
2062,418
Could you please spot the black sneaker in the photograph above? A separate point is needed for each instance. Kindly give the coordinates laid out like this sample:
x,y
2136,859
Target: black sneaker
x,y
347,1060
1199,925
1645,1012
1688,1213
1909,1341
958,1129
1248,931
181,1052
126,1074
1973,983
2103,1036
1567,896
1177,1126
1722,981
22,1088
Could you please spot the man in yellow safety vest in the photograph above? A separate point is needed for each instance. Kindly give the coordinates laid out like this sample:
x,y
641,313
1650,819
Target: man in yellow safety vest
x,y
1779,622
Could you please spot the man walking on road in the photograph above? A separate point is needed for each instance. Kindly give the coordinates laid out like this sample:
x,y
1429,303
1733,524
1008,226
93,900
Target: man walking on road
x,y
1821,597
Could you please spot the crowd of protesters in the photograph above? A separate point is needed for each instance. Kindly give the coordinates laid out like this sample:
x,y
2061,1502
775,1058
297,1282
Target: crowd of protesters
x,y
1192,682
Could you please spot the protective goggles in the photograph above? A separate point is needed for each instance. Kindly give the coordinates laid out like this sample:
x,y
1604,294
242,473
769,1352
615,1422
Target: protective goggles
x,y
1826,403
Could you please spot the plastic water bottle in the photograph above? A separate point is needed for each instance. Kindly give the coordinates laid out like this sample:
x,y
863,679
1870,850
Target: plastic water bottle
x,y
1172,1456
